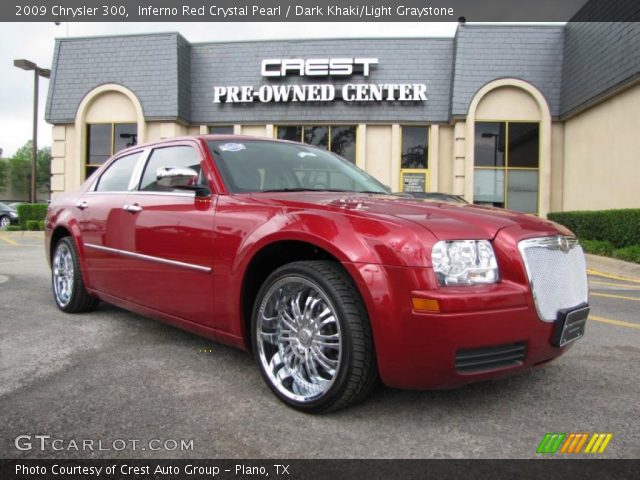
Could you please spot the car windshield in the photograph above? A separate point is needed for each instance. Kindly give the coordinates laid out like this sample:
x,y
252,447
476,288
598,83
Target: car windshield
x,y
268,166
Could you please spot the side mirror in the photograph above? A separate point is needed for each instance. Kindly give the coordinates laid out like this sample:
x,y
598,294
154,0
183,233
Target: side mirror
x,y
175,177
181,178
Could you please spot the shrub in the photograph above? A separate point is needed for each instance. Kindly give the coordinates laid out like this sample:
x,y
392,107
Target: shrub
x,y
41,225
628,254
13,228
598,247
620,227
33,225
31,211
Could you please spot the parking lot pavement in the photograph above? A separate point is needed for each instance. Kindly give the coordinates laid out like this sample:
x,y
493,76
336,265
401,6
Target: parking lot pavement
x,y
111,375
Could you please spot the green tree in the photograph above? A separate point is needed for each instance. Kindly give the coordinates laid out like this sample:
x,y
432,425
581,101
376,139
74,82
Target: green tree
x,y
4,174
20,169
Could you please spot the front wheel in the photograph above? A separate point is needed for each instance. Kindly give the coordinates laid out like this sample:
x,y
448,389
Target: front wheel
x,y
311,337
68,285
5,221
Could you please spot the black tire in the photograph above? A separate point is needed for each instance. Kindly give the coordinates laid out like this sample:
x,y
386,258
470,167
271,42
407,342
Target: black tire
x,y
356,374
74,299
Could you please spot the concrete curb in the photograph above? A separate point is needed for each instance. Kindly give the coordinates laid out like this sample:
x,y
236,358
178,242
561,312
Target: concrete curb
x,y
22,233
612,266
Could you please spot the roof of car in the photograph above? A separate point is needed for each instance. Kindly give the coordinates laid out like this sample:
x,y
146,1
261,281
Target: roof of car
x,y
206,137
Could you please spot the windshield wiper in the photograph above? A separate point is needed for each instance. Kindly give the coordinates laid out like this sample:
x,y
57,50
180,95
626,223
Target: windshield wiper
x,y
374,192
289,190
299,189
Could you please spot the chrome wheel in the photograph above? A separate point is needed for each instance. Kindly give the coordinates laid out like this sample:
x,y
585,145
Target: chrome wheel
x,y
63,274
5,222
299,339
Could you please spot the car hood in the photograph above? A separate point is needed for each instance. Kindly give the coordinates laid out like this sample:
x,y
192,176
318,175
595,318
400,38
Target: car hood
x,y
447,221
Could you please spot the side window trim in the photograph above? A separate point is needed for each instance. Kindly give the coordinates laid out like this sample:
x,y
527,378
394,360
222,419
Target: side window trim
x,y
137,172
140,169
144,154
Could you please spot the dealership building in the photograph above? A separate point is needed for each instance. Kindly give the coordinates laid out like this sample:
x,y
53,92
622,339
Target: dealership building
x,y
533,118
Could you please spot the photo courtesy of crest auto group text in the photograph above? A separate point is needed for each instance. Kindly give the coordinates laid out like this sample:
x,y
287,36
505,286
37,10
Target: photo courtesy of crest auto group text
x,y
304,239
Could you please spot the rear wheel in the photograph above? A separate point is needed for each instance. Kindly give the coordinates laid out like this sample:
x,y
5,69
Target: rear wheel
x,y
311,337
68,285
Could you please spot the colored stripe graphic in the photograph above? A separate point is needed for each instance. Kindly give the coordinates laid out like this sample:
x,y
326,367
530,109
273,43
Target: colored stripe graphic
x,y
598,443
574,443
555,442
550,443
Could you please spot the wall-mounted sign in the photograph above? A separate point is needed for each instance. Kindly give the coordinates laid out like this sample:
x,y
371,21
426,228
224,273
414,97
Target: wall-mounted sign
x,y
414,182
361,92
317,67
325,92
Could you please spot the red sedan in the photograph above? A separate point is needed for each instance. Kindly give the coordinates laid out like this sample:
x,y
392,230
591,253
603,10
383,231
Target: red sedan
x,y
294,253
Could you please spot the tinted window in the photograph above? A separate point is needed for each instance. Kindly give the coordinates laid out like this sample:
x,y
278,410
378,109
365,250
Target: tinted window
x,y
221,129
98,143
318,136
506,170
106,139
125,136
178,156
343,142
340,139
524,140
293,134
490,143
117,177
415,147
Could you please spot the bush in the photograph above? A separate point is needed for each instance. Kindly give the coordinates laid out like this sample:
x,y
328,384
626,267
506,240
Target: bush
x,y
31,211
598,247
41,225
620,227
33,225
13,228
628,254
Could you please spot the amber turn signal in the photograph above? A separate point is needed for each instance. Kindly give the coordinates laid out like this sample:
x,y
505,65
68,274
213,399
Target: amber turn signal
x,y
425,304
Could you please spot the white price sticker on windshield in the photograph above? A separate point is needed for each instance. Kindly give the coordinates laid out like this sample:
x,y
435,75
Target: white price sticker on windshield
x,y
232,147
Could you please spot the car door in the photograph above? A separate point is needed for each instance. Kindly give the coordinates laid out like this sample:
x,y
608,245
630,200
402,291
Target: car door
x,y
100,221
167,237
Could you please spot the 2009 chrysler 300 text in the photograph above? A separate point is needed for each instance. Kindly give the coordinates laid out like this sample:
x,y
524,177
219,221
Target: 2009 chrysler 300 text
x,y
332,282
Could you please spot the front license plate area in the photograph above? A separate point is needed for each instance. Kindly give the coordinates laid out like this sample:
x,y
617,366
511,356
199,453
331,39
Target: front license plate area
x,y
570,325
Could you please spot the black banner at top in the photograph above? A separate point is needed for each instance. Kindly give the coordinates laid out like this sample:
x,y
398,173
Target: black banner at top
x,y
319,10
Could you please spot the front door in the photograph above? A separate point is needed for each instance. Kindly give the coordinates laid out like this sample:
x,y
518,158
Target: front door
x,y
167,237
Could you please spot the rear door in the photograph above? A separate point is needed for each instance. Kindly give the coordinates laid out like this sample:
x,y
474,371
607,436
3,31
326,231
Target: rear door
x,y
100,223
168,238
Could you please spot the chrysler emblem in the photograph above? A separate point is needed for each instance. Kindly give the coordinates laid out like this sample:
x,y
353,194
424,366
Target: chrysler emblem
x,y
563,243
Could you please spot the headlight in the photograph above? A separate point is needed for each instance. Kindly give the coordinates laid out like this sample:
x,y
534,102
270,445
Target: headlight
x,y
13,215
464,262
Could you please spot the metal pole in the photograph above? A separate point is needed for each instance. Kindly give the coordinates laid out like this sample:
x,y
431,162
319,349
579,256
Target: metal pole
x,y
34,152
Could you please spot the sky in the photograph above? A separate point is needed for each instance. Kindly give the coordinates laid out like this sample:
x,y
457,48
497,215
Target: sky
x,y
35,42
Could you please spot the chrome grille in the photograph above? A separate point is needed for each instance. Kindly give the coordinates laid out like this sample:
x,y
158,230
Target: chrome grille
x,y
557,274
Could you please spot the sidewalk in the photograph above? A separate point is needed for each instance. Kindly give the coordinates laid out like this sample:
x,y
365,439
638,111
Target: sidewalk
x,y
611,266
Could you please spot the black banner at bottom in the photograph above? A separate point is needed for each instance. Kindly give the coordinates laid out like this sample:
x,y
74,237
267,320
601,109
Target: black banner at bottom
x,y
316,469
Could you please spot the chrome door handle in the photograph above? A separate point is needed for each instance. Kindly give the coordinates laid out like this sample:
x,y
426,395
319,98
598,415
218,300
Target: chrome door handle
x,y
81,204
132,208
